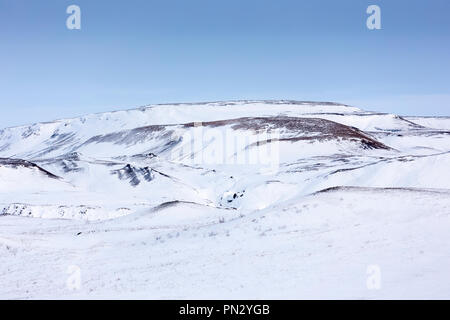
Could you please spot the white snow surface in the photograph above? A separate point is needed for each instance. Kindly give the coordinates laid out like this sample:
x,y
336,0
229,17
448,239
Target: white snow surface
x,y
227,200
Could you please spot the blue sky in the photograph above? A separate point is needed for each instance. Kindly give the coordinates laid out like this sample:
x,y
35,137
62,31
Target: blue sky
x,y
133,53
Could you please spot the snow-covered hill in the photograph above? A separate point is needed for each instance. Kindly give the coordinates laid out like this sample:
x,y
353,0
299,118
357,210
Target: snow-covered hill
x,y
241,199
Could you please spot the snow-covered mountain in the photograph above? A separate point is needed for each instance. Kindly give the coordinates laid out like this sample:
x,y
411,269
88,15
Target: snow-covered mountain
x,y
240,199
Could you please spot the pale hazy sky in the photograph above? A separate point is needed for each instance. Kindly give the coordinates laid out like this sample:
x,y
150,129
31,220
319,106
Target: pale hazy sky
x,y
132,53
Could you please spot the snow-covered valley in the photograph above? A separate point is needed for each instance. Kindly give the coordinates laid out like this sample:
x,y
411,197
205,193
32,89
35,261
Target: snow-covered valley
x,y
241,199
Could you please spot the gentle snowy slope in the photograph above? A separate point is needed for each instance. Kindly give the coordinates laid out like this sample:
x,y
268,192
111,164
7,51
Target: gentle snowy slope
x,y
319,246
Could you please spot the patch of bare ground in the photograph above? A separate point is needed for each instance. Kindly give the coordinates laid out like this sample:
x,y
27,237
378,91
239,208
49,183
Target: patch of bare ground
x,y
15,163
381,189
298,129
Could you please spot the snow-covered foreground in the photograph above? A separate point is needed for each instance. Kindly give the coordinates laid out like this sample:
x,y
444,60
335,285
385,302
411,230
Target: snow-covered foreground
x,y
249,199
320,246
